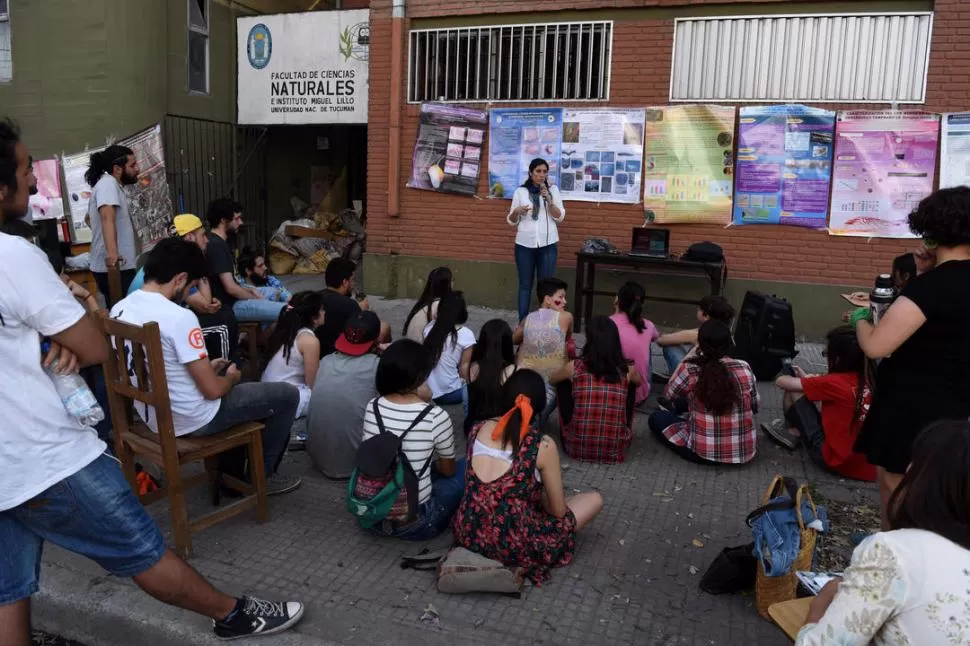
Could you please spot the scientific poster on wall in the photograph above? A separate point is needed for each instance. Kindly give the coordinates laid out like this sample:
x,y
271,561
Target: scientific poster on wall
x,y
602,155
448,151
783,165
47,203
884,164
689,164
516,136
149,200
955,150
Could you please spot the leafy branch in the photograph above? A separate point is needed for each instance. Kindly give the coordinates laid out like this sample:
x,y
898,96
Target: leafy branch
x,y
346,43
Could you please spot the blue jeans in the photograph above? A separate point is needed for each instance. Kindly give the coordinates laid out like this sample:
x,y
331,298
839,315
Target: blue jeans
x,y
93,513
258,310
674,355
273,404
539,262
434,516
454,398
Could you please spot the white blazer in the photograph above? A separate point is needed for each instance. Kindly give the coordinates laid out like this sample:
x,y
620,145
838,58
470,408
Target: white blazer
x,y
536,233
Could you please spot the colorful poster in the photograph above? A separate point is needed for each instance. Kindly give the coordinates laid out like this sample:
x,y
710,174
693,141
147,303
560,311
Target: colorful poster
x,y
47,203
448,151
884,164
689,164
602,155
955,150
516,136
784,165
149,200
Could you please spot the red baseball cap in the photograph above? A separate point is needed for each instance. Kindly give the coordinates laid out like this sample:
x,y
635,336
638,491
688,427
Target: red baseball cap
x,y
360,333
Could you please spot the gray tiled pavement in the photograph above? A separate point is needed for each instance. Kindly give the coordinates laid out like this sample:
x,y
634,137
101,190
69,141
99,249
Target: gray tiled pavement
x,y
634,579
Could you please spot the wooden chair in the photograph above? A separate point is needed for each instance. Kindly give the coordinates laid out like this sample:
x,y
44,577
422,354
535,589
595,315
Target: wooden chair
x,y
131,436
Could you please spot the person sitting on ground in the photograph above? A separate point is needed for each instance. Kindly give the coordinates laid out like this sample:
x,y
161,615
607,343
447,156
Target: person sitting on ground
x,y
722,399
254,274
543,337
597,394
440,283
225,217
57,481
845,397
904,270
344,386
636,333
401,374
203,401
677,345
514,509
450,343
340,306
294,349
908,585
492,362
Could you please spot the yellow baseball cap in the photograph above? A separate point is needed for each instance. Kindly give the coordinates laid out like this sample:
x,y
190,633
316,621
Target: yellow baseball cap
x,y
186,223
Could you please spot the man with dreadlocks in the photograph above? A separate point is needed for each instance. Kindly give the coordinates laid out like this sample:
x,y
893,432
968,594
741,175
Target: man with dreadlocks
x,y
844,397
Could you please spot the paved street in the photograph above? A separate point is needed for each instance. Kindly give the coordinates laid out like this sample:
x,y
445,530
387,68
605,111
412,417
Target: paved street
x,y
634,580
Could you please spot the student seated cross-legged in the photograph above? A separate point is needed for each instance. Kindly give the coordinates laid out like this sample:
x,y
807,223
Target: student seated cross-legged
x,y
294,348
203,401
492,362
678,345
597,393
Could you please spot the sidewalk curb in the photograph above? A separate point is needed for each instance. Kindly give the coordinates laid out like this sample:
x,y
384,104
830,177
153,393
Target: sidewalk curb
x,y
104,611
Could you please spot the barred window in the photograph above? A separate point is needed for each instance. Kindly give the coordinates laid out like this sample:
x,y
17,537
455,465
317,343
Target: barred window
x,y
6,60
198,56
542,62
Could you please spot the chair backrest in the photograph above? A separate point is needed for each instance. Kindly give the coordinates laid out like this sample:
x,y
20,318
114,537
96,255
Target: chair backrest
x,y
135,372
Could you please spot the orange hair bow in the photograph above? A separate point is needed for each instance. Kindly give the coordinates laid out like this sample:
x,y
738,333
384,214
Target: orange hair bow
x,y
522,404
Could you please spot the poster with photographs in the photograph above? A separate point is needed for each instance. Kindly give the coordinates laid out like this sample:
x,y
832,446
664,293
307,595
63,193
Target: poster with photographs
x,y
448,151
516,136
602,155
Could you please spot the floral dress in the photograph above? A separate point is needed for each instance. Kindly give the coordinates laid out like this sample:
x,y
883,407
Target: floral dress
x,y
504,519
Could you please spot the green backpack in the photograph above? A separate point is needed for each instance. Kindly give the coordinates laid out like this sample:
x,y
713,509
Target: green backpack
x,y
384,485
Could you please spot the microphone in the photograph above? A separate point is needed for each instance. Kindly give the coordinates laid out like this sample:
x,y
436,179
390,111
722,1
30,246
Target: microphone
x,y
544,200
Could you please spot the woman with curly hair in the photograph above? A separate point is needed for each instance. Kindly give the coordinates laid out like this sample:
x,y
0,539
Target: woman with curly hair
x,y
923,340
722,399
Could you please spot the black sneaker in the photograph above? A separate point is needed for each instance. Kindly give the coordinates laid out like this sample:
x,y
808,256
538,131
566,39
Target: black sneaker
x,y
259,617
665,404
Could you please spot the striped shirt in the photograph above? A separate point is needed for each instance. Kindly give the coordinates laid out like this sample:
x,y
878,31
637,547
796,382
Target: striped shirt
x,y
433,434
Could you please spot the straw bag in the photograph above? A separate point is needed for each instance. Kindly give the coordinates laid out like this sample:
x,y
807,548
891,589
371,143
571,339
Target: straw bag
x,y
785,494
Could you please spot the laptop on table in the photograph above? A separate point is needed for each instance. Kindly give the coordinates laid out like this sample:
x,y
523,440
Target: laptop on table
x,y
650,243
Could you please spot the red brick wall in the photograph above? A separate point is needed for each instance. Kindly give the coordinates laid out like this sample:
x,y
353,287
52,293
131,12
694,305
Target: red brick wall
x,y
459,227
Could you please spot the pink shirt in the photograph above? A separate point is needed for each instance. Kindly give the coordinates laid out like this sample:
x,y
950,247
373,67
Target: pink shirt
x,y
636,348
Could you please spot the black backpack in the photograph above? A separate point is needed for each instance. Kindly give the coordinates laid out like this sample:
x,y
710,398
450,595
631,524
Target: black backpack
x,y
384,484
704,252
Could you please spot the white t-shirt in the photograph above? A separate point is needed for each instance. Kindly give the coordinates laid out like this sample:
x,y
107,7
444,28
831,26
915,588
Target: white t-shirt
x,y
182,343
541,231
40,443
444,378
434,434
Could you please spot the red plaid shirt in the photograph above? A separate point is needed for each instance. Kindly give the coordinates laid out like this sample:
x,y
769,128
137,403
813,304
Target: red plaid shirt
x,y
731,437
598,431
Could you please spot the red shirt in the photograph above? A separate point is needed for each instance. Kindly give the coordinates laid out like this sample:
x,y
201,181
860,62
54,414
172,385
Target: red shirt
x,y
837,392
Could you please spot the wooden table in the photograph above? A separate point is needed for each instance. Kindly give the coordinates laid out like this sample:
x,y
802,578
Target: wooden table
x,y
790,615
586,263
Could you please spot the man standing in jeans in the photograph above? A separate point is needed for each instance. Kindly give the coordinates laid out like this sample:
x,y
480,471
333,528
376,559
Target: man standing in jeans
x,y
225,217
203,401
112,233
57,483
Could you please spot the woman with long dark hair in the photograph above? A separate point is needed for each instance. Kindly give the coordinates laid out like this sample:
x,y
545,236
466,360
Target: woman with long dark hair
x,y
722,399
844,396
923,340
514,509
293,347
439,284
909,585
596,397
450,343
536,209
492,362
636,333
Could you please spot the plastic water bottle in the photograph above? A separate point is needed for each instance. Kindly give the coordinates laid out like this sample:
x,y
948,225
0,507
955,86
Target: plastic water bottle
x,y
882,296
75,394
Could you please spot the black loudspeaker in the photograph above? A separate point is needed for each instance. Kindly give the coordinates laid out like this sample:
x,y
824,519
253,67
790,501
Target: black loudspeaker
x,y
764,334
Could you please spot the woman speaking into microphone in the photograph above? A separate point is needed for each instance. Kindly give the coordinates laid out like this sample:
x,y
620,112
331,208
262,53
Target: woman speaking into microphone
x,y
536,208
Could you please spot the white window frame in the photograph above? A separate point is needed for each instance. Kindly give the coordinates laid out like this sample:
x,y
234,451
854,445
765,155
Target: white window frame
x,y
6,75
498,78
740,65
202,31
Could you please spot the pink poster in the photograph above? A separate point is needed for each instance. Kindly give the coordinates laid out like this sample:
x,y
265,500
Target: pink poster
x,y
884,165
46,204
